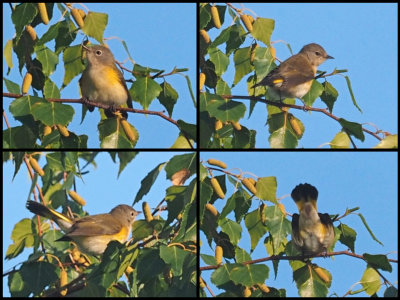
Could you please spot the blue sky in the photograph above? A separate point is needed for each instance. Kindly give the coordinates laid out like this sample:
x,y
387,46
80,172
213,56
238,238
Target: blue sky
x,y
362,38
101,189
344,180
160,36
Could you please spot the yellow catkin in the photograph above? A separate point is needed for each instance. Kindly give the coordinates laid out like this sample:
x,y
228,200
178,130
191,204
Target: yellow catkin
x,y
63,281
46,130
282,208
43,13
218,254
237,126
129,270
321,273
263,288
285,108
251,18
247,23
82,13
29,29
215,17
218,163
202,283
26,83
82,260
247,292
77,198
147,212
253,52
77,17
252,181
36,166
295,125
76,254
212,209
63,130
202,80
217,188
128,130
273,52
205,36
246,182
218,125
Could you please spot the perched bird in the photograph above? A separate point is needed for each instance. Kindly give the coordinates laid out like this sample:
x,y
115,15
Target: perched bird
x,y
312,232
91,233
293,77
103,82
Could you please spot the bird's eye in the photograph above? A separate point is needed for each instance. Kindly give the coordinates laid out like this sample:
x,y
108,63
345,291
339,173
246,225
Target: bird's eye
x,y
98,52
317,53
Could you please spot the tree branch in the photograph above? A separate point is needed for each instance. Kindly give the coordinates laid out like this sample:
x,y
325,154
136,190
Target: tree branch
x,y
299,257
299,107
104,106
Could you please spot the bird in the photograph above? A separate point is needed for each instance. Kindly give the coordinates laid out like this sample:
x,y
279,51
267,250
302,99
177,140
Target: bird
x,y
293,77
312,232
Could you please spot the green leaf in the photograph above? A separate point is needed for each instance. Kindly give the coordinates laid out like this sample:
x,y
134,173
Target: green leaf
x,y
378,261
72,63
8,53
283,138
112,134
50,89
179,162
351,93
21,137
232,229
308,283
52,113
329,96
315,91
222,88
190,130
369,229
95,25
243,67
148,182
222,275
144,90
37,275
182,143
124,159
47,58
173,256
340,141
11,86
347,236
279,226
168,97
389,142
371,281
262,30
224,109
266,188
255,227
219,59
352,128
250,274
241,255
22,15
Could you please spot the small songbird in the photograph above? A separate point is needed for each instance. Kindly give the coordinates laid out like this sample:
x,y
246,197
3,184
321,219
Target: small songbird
x,y
103,82
293,77
91,233
312,232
